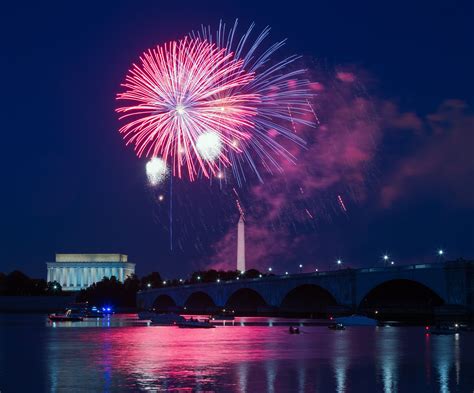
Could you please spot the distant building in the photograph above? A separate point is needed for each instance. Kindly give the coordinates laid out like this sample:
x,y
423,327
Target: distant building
x,y
77,271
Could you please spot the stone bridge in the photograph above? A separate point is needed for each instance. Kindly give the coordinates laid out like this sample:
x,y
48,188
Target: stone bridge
x,y
419,286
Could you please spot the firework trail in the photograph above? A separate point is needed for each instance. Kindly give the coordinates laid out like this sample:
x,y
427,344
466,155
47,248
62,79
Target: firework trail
x,y
202,105
341,202
284,97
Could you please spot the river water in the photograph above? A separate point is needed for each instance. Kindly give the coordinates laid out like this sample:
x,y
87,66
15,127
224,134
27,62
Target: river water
x,y
123,354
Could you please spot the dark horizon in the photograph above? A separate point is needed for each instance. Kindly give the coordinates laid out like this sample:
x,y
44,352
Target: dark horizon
x,y
397,101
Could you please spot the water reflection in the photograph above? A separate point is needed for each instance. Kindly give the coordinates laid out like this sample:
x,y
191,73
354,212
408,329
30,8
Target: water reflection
x,y
242,376
340,355
443,354
388,347
126,357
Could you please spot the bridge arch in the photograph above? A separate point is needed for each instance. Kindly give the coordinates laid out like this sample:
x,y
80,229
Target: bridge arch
x,y
246,300
164,303
402,296
200,302
308,298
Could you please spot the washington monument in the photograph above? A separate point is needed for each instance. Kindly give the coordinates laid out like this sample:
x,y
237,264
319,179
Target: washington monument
x,y
241,244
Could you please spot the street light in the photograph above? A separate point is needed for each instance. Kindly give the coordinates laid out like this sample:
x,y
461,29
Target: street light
x,y
286,273
440,252
260,276
148,285
392,263
198,277
339,262
385,257
269,269
317,269
164,282
218,280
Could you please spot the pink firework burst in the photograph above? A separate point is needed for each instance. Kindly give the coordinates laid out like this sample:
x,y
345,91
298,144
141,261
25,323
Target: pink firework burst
x,y
184,106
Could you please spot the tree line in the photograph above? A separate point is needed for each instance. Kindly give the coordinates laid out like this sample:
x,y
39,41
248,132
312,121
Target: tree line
x,y
110,291
17,283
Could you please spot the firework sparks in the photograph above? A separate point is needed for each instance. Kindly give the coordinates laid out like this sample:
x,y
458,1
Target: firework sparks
x,y
209,145
341,202
156,171
203,106
183,96
284,91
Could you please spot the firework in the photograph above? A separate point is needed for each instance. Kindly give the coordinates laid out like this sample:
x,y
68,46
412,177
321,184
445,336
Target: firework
x,y
284,92
183,100
203,105
156,171
209,145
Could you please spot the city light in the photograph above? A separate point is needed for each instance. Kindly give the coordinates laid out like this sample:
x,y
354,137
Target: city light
x,y
385,257
180,280
260,276
164,282
218,280
269,269
392,263
148,285
198,277
317,269
286,273
339,262
440,252
301,265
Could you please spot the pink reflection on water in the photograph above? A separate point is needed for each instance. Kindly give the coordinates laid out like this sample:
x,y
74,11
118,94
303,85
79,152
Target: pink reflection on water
x,y
197,356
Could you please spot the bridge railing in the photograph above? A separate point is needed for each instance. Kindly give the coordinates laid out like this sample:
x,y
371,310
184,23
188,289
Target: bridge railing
x,y
438,265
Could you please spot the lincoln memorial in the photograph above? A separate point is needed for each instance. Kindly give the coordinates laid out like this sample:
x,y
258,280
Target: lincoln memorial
x,y
77,271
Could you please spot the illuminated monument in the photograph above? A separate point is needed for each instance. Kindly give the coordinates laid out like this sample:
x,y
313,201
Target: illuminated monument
x,y
77,271
241,244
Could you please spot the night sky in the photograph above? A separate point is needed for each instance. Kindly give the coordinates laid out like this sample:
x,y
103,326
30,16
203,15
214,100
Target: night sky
x,y
395,140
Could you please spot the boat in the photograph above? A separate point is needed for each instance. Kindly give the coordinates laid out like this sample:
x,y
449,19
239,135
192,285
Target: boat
x,y
169,319
85,311
336,326
293,330
93,314
195,323
442,329
66,317
356,320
